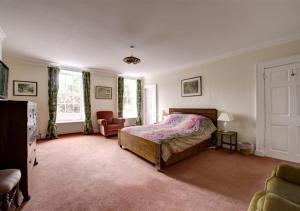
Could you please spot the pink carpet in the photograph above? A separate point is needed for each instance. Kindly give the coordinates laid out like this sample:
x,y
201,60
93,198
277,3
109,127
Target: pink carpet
x,y
93,173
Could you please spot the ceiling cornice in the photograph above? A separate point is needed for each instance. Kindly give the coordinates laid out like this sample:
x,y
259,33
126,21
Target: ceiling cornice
x,y
105,72
21,60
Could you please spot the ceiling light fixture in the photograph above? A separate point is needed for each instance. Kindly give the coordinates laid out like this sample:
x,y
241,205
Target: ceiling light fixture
x,y
131,59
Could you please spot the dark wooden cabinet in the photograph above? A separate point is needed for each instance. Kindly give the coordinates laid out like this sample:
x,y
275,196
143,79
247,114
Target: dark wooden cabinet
x,y
18,129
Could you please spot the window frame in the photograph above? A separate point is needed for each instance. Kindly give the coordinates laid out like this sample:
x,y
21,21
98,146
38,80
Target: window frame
x,y
82,118
124,112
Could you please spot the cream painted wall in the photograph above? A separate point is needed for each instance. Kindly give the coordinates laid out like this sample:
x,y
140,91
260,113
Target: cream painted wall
x,y
228,85
0,49
38,72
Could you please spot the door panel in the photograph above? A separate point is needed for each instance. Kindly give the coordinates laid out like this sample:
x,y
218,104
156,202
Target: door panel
x,y
279,75
280,100
280,137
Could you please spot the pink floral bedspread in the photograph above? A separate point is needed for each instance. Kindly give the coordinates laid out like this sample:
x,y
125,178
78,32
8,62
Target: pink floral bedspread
x,y
172,131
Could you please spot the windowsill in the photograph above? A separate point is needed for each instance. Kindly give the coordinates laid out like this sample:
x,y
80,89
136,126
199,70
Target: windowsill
x,y
71,121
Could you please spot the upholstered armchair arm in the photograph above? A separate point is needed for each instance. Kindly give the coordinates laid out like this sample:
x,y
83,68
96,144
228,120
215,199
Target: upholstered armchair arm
x,y
288,173
102,122
118,120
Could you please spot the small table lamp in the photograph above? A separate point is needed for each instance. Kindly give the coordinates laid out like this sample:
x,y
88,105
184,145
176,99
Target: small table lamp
x,y
164,114
226,117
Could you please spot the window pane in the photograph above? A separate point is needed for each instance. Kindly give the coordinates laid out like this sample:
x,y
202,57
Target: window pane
x,y
77,99
76,108
69,80
75,85
69,99
61,108
69,88
62,84
61,98
69,108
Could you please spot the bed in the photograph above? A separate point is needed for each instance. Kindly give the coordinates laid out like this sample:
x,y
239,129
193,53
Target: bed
x,y
152,151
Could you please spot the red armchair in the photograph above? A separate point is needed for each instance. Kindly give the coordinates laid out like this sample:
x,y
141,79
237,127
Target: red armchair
x,y
109,125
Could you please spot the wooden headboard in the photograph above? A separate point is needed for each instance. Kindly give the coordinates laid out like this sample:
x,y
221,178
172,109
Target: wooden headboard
x,y
210,113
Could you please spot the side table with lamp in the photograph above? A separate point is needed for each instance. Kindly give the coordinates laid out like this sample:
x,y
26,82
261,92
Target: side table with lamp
x,y
232,135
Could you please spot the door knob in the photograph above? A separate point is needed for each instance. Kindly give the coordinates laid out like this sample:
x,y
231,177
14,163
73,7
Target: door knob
x,y
293,74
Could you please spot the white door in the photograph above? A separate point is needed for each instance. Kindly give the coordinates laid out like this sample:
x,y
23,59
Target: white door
x,y
150,116
282,87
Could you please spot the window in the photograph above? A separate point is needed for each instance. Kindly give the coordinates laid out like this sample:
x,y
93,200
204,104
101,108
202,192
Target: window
x,y
129,99
70,97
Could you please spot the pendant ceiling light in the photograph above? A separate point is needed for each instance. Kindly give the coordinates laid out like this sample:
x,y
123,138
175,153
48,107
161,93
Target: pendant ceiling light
x,y
131,59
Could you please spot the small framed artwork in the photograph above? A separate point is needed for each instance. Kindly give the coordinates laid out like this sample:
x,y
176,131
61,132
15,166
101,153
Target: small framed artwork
x,y
191,87
103,92
25,88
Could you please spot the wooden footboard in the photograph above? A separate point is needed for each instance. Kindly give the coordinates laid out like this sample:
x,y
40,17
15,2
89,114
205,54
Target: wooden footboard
x,y
151,151
174,158
146,149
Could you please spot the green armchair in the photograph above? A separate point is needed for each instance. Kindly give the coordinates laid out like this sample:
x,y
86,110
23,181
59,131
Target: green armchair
x,y
282,191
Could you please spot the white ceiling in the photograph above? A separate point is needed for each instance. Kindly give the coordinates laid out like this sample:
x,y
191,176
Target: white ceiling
x,y
168,34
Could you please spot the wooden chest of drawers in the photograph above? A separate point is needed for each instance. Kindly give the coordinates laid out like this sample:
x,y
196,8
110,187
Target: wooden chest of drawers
x,y
18,129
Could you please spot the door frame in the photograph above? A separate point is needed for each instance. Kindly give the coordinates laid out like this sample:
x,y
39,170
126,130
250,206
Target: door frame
x,y
144,100
260,99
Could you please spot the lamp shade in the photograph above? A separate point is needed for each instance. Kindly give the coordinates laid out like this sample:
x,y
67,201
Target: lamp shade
x,y
226,117
164,113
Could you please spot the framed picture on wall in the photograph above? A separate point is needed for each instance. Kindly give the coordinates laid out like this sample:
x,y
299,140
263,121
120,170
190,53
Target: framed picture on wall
x,y
25,88
191,87
103,92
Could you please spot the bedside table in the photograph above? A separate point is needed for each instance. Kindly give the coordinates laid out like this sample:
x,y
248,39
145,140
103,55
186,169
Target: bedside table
x,y
232,135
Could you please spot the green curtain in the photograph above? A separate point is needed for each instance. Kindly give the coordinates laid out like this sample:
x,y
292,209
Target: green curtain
x,y
88,126
120,96
139,102
53,86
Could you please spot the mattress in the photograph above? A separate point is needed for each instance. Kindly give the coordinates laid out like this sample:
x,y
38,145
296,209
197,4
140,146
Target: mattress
x,y
176,133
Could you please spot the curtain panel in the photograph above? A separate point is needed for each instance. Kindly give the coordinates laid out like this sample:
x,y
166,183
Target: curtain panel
x,y
120,96
86,81
53,86
139,102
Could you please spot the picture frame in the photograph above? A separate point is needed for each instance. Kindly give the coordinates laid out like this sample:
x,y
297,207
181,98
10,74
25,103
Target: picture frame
x,y
103,92
25,88
191,87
